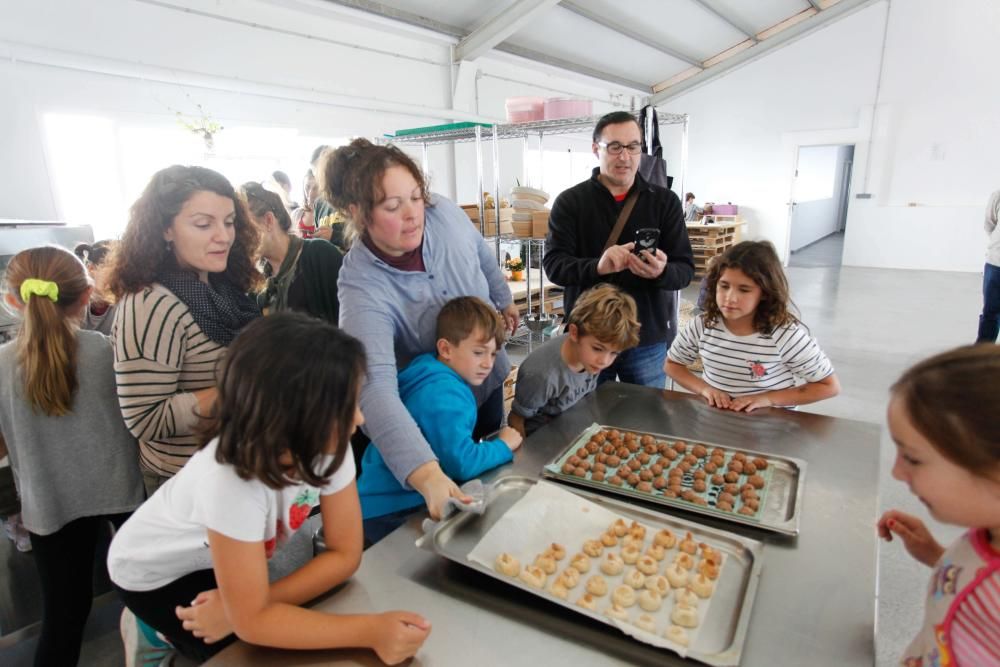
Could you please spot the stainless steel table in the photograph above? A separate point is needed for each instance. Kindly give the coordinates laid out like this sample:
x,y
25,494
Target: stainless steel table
x,y
816,601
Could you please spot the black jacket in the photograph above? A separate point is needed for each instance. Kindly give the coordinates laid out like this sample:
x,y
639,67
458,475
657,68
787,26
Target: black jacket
x,y
582,218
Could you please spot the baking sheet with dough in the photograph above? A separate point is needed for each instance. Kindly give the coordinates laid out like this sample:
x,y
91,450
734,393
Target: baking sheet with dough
x,y
547,514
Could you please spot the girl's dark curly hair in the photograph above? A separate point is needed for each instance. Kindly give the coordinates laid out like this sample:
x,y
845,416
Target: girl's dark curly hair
x,y
352,175
142,253
759,261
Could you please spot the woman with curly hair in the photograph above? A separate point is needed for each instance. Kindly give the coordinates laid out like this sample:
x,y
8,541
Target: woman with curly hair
x,y
756,352
411,252
181,275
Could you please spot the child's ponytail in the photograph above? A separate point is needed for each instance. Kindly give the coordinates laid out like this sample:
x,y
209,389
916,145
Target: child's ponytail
x,y
48,282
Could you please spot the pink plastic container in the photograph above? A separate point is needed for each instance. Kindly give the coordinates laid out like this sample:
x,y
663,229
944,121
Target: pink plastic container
x,y
525,109
566,107
725,209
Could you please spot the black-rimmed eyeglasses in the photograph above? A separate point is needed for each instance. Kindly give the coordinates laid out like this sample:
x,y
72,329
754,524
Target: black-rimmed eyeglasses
x,y
616,147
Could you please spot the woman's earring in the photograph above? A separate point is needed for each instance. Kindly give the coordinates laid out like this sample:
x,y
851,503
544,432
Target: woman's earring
x,y
170,247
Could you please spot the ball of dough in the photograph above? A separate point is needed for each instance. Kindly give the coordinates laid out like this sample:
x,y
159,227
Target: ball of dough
x,y
608,539
677,635
650,600
546,563
612,565
757,481
646,622
624,596
644,487
631,553
593,548
688,545
760,463
634,578
619,528
588,601
570,577
656,551
686,596
676,575
558,589
508,565
684,560
702,586
616,611
664,538
533,576
557,551
658,583
580,562
684,615
596,585
647,565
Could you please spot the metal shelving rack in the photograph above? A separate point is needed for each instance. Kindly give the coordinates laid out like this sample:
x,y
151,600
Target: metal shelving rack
x,y
479,132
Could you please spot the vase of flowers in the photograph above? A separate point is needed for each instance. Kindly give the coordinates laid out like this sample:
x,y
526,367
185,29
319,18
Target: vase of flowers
x,y
516,267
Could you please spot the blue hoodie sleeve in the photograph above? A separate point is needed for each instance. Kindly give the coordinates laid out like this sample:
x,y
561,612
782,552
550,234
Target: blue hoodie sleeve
x,y
447,419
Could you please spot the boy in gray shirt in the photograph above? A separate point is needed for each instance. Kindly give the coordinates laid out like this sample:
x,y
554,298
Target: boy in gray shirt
x,y
562,371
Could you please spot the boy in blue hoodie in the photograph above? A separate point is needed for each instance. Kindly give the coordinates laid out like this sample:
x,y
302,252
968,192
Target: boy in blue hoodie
x,y
436,390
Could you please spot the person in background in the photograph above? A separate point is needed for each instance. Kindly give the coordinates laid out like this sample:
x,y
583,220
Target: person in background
x,y
100,314
755,352
412,253
281,178
692,212
303,217
948,454
989,320
328,221
180,274
579,253
76,464
437,392
192,561
564,369
301,274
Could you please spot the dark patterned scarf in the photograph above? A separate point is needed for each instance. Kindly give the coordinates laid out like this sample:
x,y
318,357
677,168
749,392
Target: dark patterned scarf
x,y
219,307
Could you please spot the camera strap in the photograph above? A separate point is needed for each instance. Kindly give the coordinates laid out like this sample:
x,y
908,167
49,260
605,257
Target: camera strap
x,y
616,231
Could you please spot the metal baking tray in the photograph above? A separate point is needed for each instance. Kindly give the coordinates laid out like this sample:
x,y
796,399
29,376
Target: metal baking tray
x,y
780,508
723,631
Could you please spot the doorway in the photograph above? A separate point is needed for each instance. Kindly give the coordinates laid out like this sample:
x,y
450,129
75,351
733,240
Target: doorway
x,y
818,208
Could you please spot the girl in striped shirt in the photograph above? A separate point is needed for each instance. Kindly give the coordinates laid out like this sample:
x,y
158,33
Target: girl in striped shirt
x,y
948,453
755,352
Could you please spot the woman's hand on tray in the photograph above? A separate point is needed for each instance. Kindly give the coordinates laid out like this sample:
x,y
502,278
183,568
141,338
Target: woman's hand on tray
x,y
436,488
916,538
511,437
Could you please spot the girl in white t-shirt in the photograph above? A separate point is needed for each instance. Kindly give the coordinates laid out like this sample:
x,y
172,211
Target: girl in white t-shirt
x,y
755,352
192,561
948,452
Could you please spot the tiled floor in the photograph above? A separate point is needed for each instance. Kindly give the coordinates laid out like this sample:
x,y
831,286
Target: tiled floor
x,y
873,324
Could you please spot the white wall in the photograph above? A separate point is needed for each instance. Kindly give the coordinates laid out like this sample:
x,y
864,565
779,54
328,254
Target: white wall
x,y
936,131
302,65
817,193
937,135
741,122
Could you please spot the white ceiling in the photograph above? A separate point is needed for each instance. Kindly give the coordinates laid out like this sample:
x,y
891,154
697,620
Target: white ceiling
x,y
637,44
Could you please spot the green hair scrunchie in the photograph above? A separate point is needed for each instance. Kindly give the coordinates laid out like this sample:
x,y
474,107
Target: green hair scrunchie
x,y
34,286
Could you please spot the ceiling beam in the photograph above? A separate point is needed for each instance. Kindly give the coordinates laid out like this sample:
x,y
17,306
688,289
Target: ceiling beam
x,y
815,4
594,17
667,90
744,28
500,27
409,18
560,63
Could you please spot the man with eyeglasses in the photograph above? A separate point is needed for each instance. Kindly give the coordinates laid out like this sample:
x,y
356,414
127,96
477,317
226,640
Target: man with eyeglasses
x,y
582,219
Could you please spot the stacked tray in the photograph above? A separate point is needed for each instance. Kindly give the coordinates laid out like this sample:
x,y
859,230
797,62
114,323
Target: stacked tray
x,y
741,486
524,517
